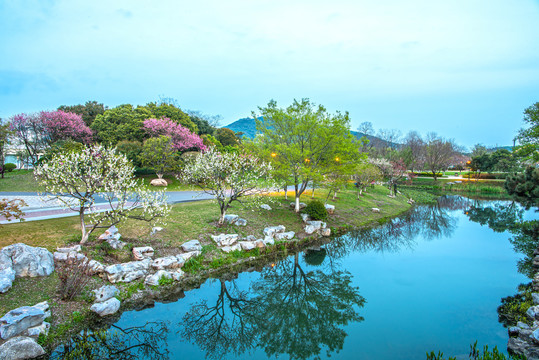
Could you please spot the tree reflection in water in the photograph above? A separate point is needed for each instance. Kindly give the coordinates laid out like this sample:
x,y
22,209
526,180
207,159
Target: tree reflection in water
x,y
427,222
138,342
226,327
505,216
289,311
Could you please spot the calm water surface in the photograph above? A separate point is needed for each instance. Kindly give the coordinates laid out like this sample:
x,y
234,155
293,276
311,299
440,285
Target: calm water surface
x,y
430,280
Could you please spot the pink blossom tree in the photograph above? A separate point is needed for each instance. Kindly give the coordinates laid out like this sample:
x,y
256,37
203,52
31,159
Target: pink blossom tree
x,y
182,138
38,131
61,125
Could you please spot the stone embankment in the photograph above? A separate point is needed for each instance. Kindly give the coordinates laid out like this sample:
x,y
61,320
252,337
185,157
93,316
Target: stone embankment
x,y
523,338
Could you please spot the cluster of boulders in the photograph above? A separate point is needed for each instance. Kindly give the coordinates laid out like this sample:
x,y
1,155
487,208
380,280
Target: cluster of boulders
x,y
21,260
105,302
234,220
73,254
523,338
112,236
232,242
19,330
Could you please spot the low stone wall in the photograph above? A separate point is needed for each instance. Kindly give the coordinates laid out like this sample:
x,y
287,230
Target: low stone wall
x,y
524,339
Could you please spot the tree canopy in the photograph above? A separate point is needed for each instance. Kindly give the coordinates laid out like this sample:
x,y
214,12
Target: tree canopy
x,y
303,140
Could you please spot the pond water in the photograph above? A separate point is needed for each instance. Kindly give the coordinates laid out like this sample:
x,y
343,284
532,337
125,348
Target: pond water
x,y
429,280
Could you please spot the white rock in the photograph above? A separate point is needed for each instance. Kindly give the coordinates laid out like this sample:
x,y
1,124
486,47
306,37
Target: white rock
x,y
375,210
186,256
533,312
127,272
158,182
60,256
75,248
272,230
330,208
250,238
144,252
265,207
247,245
44,306
535,298
38,330
309,229
317,223
177,275
225,239
27,260
193,245
267,241
168,262
156,229
116,243
20,348
231,248
95,267
105,308
325,232
230,219
241,222
285,236
301,205
305,217
153,280
105,292
16,321
7,276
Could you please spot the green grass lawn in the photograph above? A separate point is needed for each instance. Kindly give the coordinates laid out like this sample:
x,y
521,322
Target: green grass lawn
x,y
19,180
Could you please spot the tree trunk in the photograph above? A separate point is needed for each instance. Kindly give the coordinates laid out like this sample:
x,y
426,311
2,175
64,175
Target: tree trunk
x,y
222,217
296,208
285,192
334,195
85,234
312,195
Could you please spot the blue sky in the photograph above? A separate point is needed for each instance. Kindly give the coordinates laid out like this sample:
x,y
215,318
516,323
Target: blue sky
x,y
465,69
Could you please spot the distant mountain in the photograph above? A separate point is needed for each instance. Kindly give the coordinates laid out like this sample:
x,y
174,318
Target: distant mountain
x,y
248,127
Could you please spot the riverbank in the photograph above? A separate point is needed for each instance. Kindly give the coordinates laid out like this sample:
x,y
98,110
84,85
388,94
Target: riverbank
x,y
187,221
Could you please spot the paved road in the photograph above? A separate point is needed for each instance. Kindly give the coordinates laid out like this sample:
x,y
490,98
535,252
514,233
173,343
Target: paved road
x,y
41,209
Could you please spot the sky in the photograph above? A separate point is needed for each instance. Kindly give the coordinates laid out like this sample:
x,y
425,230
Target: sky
x,y
465,69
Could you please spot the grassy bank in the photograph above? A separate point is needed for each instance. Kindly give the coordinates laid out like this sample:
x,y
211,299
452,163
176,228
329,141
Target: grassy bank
x,y
193,220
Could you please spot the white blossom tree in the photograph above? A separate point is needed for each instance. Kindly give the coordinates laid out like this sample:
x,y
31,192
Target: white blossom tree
x,y
77,178
228,177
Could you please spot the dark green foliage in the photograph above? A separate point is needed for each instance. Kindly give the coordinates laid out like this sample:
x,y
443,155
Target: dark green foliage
x,y
9,167
60,147
203,122
316,210
88,111
123,122
513,308
475,354
315,257
132,150
428,174
524,187
226,137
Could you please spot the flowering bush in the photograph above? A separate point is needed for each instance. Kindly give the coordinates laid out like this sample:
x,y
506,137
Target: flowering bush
x,y
38,131
227,177
97,170
182,138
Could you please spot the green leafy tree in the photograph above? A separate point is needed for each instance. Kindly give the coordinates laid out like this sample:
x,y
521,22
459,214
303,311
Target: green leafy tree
x,y
529,136
226,137
524,187
159,154
123,122
131,150
88,111
5,132
305,139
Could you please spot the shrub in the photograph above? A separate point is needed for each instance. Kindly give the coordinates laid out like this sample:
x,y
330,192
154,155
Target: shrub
x,y
9,167
74,276
316,210
427,174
